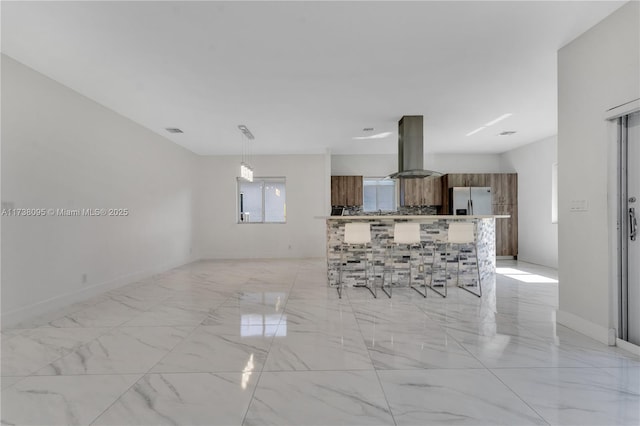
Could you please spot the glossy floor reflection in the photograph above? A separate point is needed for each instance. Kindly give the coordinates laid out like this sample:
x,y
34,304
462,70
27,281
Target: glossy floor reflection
x,y
266,342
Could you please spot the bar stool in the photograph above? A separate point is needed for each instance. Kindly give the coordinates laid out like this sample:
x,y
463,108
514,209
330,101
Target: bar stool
x,y
460,233
405,233
356,235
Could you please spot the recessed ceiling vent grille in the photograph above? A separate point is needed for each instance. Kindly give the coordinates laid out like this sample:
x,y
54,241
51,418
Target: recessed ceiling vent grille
x,y
245,131
507,133
173,130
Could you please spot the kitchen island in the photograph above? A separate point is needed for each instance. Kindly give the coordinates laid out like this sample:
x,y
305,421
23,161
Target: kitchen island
x,y
432,228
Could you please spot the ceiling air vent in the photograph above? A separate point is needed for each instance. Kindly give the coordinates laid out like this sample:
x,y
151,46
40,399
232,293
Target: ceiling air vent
x,y
173,130
507,133
245,131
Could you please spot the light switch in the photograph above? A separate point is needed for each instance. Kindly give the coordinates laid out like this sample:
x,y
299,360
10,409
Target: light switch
x,y
579,206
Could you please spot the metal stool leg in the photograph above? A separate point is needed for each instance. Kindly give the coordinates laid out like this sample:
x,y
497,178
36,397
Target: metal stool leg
x,y
339,288
366,285
431,286
371,286
446,263
464,287
458,270
424,281
410,274
384,268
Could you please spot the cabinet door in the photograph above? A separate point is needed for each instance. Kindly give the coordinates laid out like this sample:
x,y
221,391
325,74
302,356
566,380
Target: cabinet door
x,y
476,179
353,190
512,189
496,182
411,192
506,230
502,231
338,193
504,187
455,179
359,198
346,190
433,191
444,194
468,179
422,188
406,192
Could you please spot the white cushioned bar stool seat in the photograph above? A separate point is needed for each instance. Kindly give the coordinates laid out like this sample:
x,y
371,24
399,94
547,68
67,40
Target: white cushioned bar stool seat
x,y
356,235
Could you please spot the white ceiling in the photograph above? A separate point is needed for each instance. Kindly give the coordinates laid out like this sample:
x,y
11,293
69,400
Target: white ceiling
x,y
309,76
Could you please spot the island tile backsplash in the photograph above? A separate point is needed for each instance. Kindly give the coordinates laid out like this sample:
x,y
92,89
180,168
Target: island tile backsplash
x,y
408,211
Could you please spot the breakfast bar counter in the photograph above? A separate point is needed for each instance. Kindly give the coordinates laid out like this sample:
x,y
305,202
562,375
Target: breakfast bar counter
x,y
432,229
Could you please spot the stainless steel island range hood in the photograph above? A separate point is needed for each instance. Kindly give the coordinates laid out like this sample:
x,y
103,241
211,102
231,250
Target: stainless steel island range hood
x,y
410,149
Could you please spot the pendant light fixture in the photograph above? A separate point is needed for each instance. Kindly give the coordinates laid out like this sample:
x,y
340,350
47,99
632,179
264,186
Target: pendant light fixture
x,y
246,172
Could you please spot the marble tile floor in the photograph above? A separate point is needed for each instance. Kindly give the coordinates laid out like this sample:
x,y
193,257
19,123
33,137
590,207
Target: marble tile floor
x,y
265,342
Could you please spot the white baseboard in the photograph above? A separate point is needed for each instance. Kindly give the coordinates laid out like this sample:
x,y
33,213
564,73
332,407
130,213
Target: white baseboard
x,y
236,256
629,347
583,326
505,258
42,307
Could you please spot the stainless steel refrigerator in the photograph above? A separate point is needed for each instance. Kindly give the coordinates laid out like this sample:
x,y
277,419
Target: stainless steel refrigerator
x,y
471,201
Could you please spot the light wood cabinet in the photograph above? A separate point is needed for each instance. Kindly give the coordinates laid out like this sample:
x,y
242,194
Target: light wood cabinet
x,y
506,230
433,194
337,195
475,179
467,179
346,191
504,187
354,191
420,192
411,192
454,179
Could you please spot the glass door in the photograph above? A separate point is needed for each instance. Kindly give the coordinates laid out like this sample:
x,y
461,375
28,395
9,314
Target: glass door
x,y
629,237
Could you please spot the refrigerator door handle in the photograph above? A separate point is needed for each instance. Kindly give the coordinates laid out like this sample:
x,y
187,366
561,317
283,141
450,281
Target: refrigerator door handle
x,y
471,201
469,206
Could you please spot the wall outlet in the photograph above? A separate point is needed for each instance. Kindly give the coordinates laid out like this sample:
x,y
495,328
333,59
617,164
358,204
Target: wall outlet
x,y
421,268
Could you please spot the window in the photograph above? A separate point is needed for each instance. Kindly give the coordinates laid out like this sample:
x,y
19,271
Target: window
x,y
262,201
379,194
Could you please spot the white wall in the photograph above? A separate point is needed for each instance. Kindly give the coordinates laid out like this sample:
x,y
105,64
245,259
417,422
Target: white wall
x,y
537,236
62,150
382,165
304,234
372,165
464,163
597,71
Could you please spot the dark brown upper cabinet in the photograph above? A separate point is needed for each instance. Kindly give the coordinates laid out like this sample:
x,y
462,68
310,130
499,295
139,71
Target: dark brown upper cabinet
x,y
346,191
